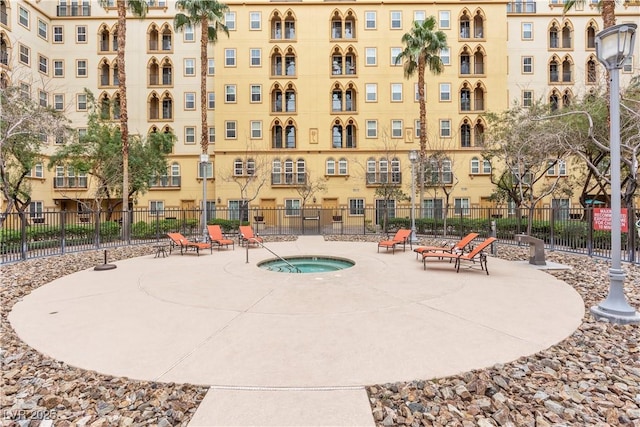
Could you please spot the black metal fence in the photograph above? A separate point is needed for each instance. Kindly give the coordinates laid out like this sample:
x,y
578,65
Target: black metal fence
x,y
25,236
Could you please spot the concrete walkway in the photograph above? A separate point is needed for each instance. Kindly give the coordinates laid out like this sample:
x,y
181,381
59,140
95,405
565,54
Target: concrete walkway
x,y
295,349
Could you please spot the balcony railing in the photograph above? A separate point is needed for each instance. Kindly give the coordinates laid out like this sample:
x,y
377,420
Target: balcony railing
x,y
74,10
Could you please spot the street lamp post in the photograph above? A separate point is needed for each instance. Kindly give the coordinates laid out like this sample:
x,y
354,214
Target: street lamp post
x,y
613,46
204,163
413,156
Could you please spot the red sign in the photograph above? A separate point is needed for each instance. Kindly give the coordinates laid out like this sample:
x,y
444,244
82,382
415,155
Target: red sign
x,y
602,219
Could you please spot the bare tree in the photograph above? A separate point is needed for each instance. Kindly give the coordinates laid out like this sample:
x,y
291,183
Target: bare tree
x,y
310,187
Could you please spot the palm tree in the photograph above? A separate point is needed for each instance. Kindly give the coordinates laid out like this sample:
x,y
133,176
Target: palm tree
x,y
422,50
607,10
210,15
137,8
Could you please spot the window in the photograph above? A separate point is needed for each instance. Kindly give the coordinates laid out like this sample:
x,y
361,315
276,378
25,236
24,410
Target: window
x,y
25,90
461,206
212,134
445,56
25,54
81,68
231,129
188,34
189,67
527,64
396,92
396,19
58,101
256,57
43,64
190,101
370,20
58,34
256,129
330,168
43,29
371,54
371,90
419,16
527,31
81,34
156,207
444,19
81,102
189,135
230,93
292,207
211,67
527,98
475,166
256,93
36,209
356,206
230,20
43,98
396,128
255,19
395,51
229,57
372,128
23,17
58,68
37,171
211,100
445,128
445,92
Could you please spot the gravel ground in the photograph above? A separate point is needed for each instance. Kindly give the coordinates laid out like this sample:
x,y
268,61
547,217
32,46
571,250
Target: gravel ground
x,y
590,379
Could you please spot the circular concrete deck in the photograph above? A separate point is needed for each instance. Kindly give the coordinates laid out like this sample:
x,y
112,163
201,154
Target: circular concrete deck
x,y
215,319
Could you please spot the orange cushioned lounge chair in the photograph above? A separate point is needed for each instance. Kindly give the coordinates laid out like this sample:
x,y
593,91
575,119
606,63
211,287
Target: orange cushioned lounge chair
x,y
476,254
401,237
247,236
178,239
459,246
217,238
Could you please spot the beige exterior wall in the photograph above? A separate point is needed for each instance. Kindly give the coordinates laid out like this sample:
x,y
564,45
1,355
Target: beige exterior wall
x,y
496,35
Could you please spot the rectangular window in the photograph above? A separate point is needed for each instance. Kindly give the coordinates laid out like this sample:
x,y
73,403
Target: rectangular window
x,y
256,93
445,56
445,128
371,56
419,16
527,98
212,135
81,102
444,19
43,64
416,93
230,93
188,35
255,20
81,34
211,67
156,207
23,17
256,129
58,34
372,128
370,20
292,207
25,90
211,100
231,129
230,20
81,68
58,101
356,206
229,57
25,54
395,51
396,20
371,90
445,92
43,98
189,135
36,209
396,128
38,171
189,67
527,64
43,29
527,31
256,57
205,170
461,206
190,101
58,68
396,92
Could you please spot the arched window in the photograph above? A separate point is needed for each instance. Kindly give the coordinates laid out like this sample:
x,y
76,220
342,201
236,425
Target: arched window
x,y
104,39
465,26
350,99
167,107
276,99
276,135
154,38
154,107
554,101
167,38
290,99
465,62
336,25
276,63
105,72
478,134
288,171
336,100
116,106
175,174
554,72
591,36
276,26
465,134
330,166
591,71
289,26
336,135
566,36
301,172
116,77
350,132
478,98
276,172
154,72
478,25
566,98
567,73
465,98
343,167
291,135
478,62
167,72
105,107
554,42
475,166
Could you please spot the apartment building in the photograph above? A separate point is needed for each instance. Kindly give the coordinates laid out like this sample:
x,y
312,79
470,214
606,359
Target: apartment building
x,y
301,92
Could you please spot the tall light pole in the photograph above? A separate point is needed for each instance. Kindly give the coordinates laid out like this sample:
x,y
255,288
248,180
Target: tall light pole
x,y
613,46
413,157
204,166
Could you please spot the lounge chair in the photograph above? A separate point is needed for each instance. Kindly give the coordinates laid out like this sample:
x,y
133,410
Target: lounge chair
x,y
476,254
401,237
247,236
185,244
217,238
459,246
